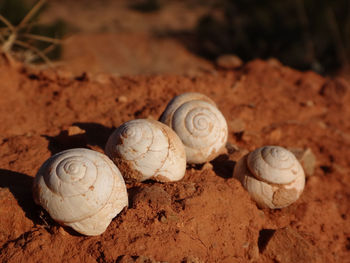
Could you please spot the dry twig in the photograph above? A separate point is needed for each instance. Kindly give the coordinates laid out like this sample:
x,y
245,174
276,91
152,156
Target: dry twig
x,y
12,35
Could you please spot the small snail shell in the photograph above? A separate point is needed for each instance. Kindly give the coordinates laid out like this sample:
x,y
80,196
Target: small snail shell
x,y
82,189
199,124
272,175
147,149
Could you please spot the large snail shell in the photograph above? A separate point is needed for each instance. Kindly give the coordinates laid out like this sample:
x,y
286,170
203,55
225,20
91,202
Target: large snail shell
x,y
82,189
272,175
199,124
147,149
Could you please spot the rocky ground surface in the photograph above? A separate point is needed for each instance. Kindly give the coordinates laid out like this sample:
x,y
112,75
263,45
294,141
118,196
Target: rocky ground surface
x,y
207,216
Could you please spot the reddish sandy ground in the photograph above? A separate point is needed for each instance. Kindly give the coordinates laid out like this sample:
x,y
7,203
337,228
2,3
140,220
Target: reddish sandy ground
x,y
110,37
207,216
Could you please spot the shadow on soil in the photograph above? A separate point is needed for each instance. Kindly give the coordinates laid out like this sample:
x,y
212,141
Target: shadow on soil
x,y
264,237
223,167
94,135
20,185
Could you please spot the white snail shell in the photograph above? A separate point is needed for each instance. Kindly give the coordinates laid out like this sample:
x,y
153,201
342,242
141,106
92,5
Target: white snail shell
x,y
199,124
272,175
147,149
82,189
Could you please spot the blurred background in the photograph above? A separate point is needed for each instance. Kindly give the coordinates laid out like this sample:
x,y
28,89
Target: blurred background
x,y
177,37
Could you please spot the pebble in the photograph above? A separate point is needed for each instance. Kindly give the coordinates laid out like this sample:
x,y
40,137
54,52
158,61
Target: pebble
x,y
75,130
274,62
275,135
207,166
229,61
122,99
310,103
307,159
103,78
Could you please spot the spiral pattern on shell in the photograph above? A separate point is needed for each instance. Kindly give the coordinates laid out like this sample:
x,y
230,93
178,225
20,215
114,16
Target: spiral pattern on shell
x,y
145,149
72,176
272,175
199,124
177,101
274,164
133,140
77,184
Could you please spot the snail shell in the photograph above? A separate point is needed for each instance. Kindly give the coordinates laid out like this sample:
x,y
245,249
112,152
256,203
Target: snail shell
x,y
272,175
147,149
82,189
199,124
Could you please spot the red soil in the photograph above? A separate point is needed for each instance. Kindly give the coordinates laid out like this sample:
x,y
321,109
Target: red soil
x,y
207,216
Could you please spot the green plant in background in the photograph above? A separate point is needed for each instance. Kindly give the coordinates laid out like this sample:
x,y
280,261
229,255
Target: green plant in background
x,y
305,34
23,37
